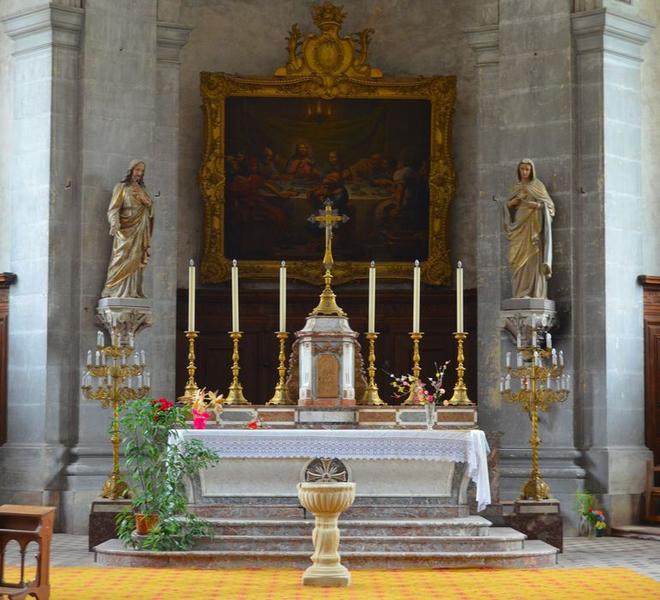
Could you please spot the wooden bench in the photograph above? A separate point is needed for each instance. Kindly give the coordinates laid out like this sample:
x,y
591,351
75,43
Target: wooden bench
x,y
26,524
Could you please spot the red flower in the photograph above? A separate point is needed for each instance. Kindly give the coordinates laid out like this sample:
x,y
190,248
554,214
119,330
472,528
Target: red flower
x,y
252,425
165,404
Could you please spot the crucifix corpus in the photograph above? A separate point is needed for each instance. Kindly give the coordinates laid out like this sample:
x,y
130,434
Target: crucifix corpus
x,y
329,219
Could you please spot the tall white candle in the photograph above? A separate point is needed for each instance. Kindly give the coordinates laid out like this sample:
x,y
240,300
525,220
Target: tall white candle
x,y
234,296
416,282
283,296
372,298
191,295
459,297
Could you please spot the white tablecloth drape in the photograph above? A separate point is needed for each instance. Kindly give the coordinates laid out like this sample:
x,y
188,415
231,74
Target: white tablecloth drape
x,y
469,446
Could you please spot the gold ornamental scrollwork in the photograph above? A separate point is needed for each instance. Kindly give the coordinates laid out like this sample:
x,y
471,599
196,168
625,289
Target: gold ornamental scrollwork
x,y
327,66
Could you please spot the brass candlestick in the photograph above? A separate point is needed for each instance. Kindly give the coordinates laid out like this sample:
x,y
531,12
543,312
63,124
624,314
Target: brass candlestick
x,y
281,396
235,394
371,396
535,393
114,393
460,397
415,337
191,385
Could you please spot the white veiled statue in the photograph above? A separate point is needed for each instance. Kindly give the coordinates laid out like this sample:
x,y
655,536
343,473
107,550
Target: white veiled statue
x,y
527,218
131,217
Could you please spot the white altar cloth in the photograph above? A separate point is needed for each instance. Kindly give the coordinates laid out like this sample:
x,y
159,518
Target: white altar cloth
x,y
469,446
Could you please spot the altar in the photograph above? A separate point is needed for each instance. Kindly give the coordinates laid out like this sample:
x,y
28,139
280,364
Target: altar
x,y
435,466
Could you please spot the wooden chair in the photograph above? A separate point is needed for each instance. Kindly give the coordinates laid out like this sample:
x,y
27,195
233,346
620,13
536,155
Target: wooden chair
x,y
652,494
25,524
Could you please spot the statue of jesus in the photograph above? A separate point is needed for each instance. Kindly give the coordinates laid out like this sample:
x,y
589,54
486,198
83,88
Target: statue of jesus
x,y
131,217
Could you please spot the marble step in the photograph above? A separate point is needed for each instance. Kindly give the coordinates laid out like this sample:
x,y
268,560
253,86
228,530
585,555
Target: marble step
x,y
458,526
499,539
288,511
534,554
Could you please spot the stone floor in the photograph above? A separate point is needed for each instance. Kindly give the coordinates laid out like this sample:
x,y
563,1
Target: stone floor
x,y
640,555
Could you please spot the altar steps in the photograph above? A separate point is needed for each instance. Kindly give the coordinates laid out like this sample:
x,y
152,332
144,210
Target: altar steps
x,y
534,554
264,528
357,511
448,542
497,540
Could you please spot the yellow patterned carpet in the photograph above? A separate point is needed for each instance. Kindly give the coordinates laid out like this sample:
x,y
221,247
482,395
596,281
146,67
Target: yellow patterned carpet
x,y
95,583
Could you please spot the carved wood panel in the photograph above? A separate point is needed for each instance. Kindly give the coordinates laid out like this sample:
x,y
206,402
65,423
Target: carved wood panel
x,y
6,279
652,362
259,320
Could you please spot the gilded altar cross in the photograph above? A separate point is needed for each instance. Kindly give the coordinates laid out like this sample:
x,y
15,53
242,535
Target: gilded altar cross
x,y
329,219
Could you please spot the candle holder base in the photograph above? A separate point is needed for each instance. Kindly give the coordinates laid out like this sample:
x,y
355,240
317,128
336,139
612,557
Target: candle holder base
x,y
280,397
371,397
460,396
535,489
115,488
415,336
235,395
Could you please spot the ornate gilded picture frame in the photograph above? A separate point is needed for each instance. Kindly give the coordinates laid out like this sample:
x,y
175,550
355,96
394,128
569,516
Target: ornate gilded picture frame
x,y
326,125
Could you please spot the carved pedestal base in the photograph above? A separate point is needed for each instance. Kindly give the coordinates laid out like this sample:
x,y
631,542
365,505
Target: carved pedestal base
x,y
326,501
124,316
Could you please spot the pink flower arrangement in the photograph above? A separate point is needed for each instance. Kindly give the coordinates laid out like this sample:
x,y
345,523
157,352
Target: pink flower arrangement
x,y
424,392
199,419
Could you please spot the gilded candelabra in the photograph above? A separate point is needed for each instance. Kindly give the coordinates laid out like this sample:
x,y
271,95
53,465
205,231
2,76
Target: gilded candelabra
x,y
281,396
114,387
460,396
371,396
191,384
235,394
415,336
540,387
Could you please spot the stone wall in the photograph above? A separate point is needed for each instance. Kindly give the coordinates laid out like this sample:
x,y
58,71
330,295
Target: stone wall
x,y
650,11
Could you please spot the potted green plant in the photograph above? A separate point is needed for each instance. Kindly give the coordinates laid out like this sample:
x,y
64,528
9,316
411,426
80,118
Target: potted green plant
x,y
158,467
591,518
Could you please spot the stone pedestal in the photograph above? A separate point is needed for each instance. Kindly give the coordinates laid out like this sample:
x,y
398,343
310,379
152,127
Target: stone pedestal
x,y
102,520
123,316
522,315
538,520
326,501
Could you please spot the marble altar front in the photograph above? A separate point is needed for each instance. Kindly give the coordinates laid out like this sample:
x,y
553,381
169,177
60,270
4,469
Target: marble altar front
x,y
431,464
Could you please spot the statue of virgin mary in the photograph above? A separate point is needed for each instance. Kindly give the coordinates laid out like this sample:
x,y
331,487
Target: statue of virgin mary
x,y
527,218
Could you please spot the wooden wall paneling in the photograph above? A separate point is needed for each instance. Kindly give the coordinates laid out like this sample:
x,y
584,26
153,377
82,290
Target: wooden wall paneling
x,y
651,285
259,320
6,279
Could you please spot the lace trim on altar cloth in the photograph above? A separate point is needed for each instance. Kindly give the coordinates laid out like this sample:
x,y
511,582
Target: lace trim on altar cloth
x,y
451,446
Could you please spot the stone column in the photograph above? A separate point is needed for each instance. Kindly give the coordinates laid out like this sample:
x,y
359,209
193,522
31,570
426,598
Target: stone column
x,y
526,110
484,41
45,250
170,39
608,256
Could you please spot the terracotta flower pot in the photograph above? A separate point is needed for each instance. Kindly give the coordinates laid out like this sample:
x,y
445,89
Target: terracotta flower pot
x,y
145,523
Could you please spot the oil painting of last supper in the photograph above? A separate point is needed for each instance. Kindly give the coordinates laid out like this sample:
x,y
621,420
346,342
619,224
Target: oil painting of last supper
x,y
286,156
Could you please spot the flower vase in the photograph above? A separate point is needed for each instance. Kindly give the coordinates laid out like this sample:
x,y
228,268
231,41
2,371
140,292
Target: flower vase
x,y
585,528
429,408
600,532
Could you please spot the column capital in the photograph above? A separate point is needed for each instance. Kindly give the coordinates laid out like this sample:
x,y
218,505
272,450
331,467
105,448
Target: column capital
x,y
485,41
44,26
604,31
170,38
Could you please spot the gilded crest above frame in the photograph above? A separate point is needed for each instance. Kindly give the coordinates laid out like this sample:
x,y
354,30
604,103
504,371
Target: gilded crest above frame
x,y
386,143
